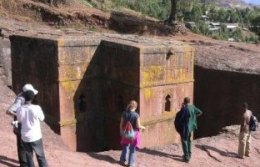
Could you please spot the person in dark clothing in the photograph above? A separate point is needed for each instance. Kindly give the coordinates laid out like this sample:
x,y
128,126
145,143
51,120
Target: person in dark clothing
x,y
185,123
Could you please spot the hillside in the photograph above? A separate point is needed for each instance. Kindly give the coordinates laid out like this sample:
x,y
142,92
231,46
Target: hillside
x,y
82,17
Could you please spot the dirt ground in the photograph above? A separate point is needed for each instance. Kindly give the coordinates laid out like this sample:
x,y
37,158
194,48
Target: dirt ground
x,y
216,151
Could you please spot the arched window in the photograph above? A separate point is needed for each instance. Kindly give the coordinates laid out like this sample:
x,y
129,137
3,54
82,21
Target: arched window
x,y
167,106
169,54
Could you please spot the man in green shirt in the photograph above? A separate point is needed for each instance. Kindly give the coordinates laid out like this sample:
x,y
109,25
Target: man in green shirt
x,y
186,123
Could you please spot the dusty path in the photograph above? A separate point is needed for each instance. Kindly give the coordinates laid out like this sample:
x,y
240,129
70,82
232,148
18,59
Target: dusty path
x,y
218,151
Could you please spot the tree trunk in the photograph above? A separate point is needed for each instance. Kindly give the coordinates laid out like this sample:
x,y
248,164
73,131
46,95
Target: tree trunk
x,y
173,15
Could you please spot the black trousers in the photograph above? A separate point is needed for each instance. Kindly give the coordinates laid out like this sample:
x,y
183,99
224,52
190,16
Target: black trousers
x,y
21,149
20,145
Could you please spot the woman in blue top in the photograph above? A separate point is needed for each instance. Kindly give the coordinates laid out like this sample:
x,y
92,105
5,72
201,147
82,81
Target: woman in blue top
x,y
130,145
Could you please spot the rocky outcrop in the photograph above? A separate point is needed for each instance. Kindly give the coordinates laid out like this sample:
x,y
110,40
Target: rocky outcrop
x,y
226,75
5,61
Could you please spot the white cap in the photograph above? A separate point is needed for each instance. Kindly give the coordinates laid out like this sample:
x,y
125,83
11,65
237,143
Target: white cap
x,y
28,87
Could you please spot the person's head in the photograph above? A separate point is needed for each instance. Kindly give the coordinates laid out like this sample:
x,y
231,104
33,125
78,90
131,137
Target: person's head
x,y
186,100
29,87
245,105
132,105
28,96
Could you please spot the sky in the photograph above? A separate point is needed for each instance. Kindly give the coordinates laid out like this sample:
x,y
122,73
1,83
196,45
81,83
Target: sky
x,y
256,2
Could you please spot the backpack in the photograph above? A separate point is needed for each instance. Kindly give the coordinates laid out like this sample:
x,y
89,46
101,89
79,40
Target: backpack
x,y
253,123
128,131
177,122
181,122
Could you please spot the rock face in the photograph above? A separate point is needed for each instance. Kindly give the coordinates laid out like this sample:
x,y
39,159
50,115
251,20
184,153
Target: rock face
x,y
86,80
226,75
5,56
220,94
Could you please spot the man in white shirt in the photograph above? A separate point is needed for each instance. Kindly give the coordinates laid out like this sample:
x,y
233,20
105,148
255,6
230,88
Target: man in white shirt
x,y
19,101
30,116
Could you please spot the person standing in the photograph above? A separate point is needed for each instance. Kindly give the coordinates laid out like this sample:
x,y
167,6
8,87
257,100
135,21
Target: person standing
x,y
19,101
185,123
130,146
245,134
30,115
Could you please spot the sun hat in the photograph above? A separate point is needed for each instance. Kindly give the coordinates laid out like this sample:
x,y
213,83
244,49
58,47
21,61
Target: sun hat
x,y
28,87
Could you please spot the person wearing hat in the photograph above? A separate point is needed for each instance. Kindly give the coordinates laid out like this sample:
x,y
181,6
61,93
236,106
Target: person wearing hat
x,y
19,101
30,116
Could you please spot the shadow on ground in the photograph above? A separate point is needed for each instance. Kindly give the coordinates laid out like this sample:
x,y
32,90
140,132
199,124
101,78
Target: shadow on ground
x,y
161,154
8,161
103,157
207,149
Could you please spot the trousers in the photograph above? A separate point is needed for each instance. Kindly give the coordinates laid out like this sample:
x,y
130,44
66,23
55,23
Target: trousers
x,y
244,144
186,147
130,150
37,147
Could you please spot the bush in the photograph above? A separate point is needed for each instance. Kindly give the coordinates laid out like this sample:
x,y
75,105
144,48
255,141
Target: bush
x,y
155,8
203,28
237,34
195,30
254,39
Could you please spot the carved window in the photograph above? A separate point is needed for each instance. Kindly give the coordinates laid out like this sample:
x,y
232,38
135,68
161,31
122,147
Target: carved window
x,y
168,55
167,106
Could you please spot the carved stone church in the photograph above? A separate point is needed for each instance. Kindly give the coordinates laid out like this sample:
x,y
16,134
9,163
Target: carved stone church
x,y
85,82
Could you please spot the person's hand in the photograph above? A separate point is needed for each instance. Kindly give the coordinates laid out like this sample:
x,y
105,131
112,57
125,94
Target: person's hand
x,y
10,113
15,123
7,112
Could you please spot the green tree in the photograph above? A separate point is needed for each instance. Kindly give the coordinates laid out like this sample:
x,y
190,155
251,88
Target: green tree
x,y
196,13
233,16
222,15
213,13
237,34
255,24
223,33
203,28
